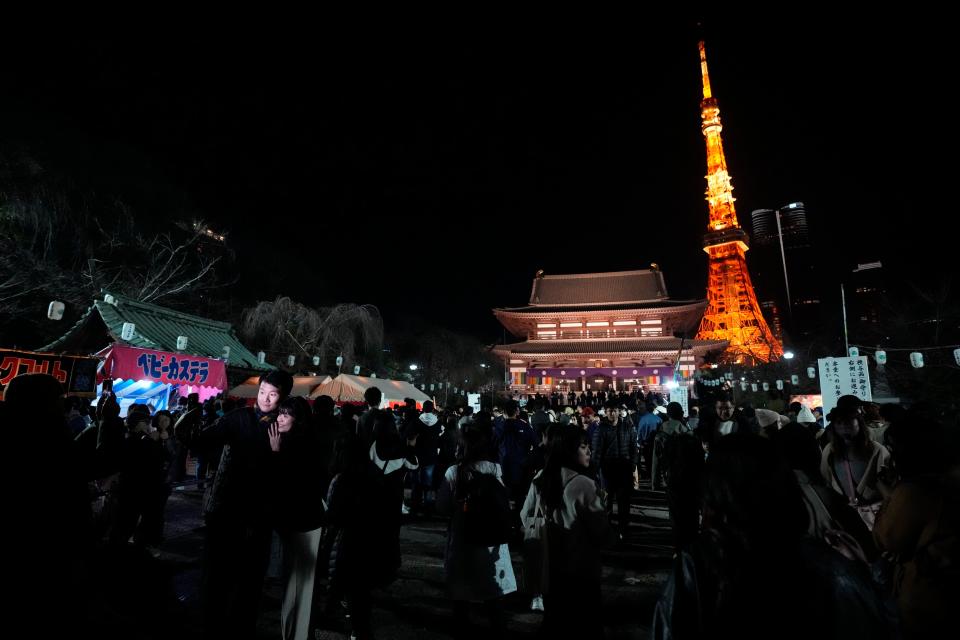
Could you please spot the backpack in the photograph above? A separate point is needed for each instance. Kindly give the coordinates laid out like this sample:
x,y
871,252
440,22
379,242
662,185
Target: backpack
x,y
487,518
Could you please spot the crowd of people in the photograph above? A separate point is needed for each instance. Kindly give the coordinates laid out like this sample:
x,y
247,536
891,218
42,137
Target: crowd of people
x,y
782,525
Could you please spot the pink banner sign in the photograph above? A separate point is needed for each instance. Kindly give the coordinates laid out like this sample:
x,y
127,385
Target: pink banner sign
x,y
133,363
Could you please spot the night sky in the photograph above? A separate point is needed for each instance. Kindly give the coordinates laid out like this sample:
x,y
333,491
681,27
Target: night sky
x,y
435,177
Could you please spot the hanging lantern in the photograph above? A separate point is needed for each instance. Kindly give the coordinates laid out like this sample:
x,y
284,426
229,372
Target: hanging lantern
x,y
356,369
743,386
373,375
182,343
291,360
261,357
126,332
431,386
766,386
780,385
881,356
794,379
956,356
916,359
339,360
316,361
811,373
853,352
753,386
55,310
226,353
582,372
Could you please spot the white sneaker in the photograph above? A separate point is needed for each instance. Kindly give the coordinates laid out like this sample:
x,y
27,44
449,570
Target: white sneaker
x,y
536,604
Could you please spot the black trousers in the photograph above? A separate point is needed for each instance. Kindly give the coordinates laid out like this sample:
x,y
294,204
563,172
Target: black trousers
x,y
618,474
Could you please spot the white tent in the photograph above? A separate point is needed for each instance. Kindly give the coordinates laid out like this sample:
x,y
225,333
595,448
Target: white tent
x,y
346,388
302,386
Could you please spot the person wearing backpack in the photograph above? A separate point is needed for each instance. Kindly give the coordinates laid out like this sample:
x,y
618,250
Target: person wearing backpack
x,y
615,443
573,530
477,559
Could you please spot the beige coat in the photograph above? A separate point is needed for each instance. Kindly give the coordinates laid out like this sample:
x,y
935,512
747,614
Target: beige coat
x,y
584,526
867,490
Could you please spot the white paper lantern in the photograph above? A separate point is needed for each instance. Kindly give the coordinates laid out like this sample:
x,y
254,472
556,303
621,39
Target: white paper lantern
x,y
743,386
261,357
316,361
780,385
339,360
127,331
811,373
373,375
582,372
431,386
614,372
766,386
225,352
563,373
634,372
55,310
291,360
853,352
880,356
916,359
182,342
753,386
356,369
794,379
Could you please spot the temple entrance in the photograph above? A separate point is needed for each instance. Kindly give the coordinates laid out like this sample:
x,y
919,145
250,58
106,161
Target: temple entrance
x,y
599,383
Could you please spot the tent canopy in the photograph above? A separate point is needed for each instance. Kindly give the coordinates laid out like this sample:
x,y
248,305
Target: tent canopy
x,y
302,386
347,388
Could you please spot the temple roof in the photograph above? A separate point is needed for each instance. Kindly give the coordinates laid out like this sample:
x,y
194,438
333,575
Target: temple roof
x,y
608,346
156,327
574,308
598,289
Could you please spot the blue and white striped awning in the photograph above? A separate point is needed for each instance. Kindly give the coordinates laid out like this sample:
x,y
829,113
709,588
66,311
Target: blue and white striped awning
x,y
148,392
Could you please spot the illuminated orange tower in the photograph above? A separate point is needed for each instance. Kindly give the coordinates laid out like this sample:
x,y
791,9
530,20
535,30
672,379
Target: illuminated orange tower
x,y
733,313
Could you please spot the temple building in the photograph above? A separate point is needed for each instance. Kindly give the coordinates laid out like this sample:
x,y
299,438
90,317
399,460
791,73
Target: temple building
x,y
609,331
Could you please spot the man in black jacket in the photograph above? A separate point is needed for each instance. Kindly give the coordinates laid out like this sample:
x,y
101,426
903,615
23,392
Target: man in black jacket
x,y
237,511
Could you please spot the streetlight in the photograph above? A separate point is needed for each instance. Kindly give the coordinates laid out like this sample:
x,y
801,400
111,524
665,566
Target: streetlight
x,y
413,367
788,355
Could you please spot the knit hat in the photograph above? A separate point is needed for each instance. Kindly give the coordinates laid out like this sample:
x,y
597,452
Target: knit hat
x,y
806,416
568,411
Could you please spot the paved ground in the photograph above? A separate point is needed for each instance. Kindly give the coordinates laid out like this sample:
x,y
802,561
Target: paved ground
x,y
415,606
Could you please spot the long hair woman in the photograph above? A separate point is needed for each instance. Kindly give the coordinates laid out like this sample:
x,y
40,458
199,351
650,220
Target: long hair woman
x,y
299,512
852,463
576,530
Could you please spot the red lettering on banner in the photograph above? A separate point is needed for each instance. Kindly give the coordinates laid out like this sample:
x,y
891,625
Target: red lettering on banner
x,y
11,365
59,373
30,364
42,367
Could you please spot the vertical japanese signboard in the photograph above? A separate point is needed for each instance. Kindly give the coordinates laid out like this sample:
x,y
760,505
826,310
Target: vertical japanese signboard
x,y
843,377
681,395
